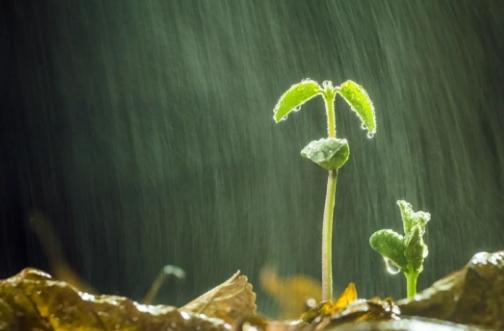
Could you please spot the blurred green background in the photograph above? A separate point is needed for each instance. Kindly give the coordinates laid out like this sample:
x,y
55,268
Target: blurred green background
x,y
143,131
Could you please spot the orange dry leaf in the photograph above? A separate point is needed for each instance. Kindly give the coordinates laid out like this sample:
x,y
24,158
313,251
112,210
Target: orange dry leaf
x,y
348,296
329,308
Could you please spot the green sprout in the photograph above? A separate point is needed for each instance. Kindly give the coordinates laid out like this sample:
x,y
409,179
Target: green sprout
x,y
406,253
329,153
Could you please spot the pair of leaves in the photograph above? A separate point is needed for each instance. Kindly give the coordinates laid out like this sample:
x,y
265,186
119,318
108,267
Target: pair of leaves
x,y
329,153
406,252
302,92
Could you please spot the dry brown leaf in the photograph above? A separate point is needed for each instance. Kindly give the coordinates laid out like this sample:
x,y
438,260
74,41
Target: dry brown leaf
x,y
230,301
32,300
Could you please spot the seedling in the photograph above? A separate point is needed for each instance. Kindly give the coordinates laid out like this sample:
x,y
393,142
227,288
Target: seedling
x,y
330,153
406,253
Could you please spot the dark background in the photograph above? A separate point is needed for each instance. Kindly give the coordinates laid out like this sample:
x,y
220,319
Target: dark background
x,y
143,131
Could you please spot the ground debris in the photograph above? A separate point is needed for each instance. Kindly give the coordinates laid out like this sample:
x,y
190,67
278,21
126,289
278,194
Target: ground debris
x,y
357,311
406,324
472,295
32,300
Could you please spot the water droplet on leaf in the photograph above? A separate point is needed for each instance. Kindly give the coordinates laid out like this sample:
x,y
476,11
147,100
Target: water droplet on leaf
x,y
425,252
283,119
326,84
370,135
392,267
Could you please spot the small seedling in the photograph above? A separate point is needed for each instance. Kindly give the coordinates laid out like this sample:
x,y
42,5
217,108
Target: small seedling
x,y
167,271
406,253
329,153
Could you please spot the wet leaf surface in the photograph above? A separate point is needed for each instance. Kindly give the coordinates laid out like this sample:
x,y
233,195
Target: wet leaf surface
x,y
327,153
295,97
359,101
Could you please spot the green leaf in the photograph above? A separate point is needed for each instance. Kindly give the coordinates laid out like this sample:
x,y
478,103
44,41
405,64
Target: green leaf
x,y
328,153
359,101
390,245
415,249
412,218
294,98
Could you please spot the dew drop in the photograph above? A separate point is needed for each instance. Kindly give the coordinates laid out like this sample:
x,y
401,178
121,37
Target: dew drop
x,y
425,252
370,135
283,119
296,109
392,267
326,84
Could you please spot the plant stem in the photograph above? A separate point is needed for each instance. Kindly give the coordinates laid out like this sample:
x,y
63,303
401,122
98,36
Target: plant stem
x,y
327,226
327,231
411,283
329,96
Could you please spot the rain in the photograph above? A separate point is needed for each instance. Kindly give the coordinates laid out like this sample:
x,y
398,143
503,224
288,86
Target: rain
x,y
142,131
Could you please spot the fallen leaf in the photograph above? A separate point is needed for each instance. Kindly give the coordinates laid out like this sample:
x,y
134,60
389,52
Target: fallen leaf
x,y
230,301
32,300
348,296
